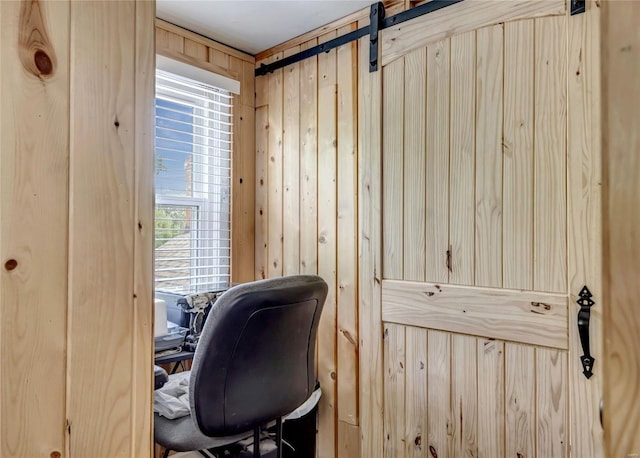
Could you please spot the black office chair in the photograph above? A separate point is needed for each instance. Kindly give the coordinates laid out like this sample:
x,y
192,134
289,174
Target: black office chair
x,y
254,364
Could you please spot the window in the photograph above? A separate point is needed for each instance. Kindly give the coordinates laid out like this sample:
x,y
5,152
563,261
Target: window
x,y
193,185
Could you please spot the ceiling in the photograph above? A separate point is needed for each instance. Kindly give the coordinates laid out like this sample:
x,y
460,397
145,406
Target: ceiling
x,y
254,25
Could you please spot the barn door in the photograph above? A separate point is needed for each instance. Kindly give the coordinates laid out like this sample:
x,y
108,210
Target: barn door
x,y
490,229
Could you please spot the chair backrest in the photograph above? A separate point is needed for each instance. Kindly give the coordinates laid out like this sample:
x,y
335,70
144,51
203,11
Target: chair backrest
x,y
255,358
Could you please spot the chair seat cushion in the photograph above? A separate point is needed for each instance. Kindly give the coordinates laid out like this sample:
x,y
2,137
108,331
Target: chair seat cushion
x,y
181,435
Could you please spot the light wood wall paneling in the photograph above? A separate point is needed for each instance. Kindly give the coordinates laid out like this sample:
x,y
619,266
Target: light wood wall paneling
x,y
392,166
219,58
243,172
514,315
101,270
551,403
440,422
550,246
291,167
186,34
347,227
491,386
262,203
459,18
621,154
274,173
462,169
517,254
169,40
394,392
243,193
437,207
370,256
585,225
489,156
415,86
309,162
196,50
464,395
349,440
520,400
327,209
261,257
416,408
34,140
144,164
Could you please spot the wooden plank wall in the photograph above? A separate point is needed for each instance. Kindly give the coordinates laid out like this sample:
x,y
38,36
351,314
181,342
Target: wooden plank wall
x,y
462,179
193,49
76,228
621,154
306,193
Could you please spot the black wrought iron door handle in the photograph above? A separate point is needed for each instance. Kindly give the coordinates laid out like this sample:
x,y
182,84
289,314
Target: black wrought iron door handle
x,y
585,302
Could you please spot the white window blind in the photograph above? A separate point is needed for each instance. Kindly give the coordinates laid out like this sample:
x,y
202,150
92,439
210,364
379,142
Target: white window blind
x,y
193,185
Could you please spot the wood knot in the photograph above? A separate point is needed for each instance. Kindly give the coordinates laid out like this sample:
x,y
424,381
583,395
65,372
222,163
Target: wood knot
x,y
11,264
55,454
34,46
43,62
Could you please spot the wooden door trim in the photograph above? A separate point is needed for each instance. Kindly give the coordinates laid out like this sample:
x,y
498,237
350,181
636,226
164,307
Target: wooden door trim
x,y
459,18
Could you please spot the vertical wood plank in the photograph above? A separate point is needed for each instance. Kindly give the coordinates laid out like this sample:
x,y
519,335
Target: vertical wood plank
x,y
102,227
327,207
517,251
243,193
462,171
34,141
550,246
142,354
437,237
621,201
262,215
274,173
584,208
394,394
309,162
464,395
551,402
347,227
440,421
291,167
415,85
348,440
247,84
370,382
520,400
490,398
489,63
196,50
416,409
392,168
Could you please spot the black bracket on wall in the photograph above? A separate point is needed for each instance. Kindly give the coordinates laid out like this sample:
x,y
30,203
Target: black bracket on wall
x,y
375,23
380,22
585,302
578,6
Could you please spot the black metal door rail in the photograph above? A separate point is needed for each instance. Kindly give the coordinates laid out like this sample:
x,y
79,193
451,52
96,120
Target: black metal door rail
x,y
378,22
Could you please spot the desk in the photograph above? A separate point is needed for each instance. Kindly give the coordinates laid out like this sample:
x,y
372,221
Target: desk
x,y
176,358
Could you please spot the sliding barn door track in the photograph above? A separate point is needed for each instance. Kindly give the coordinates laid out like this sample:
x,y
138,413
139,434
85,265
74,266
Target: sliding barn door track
x,y
378,22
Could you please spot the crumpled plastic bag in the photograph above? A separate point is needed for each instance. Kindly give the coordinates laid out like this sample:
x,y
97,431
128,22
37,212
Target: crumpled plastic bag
x,y
172,400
